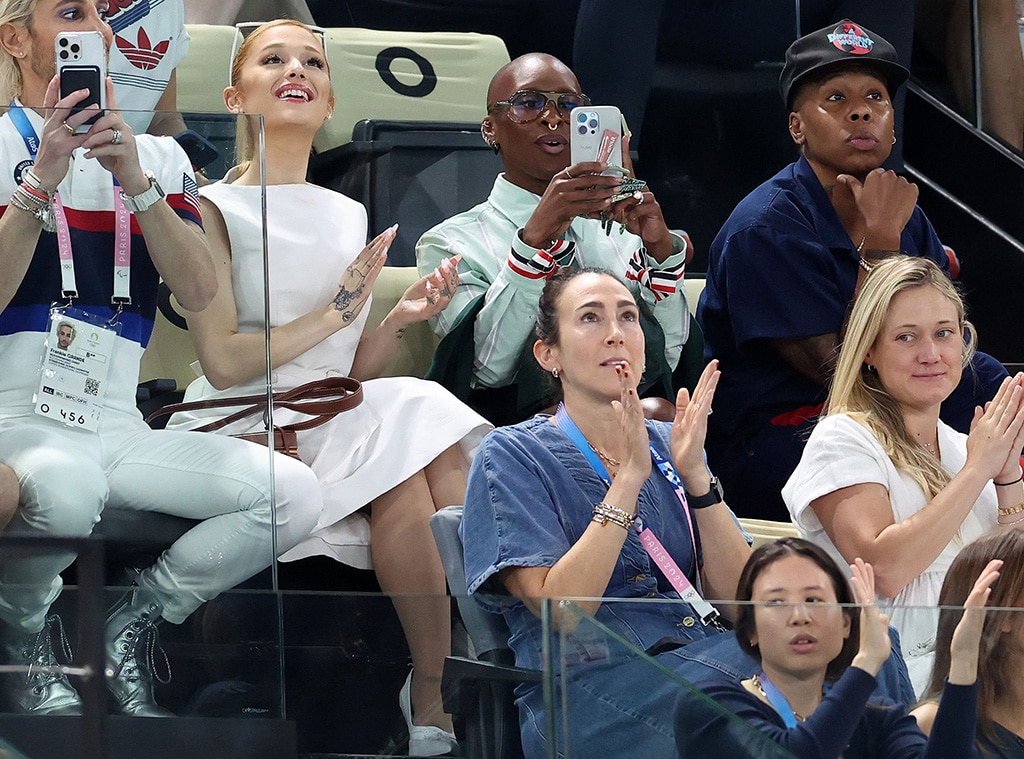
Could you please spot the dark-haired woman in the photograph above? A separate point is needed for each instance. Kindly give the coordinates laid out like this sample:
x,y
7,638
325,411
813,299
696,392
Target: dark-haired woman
x,y
552,512
1001,656
819,662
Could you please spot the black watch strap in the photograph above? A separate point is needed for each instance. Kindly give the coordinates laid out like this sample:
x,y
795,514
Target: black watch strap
x,y
713,496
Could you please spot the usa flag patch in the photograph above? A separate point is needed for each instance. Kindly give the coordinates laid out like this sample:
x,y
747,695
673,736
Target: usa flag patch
x,y
190,192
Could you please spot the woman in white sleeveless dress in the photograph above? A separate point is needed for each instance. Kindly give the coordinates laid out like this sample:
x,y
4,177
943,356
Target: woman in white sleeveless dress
x,y
405,449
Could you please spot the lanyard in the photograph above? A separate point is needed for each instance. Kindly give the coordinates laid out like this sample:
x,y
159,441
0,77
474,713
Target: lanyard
x,y
662,559
778,701
122,230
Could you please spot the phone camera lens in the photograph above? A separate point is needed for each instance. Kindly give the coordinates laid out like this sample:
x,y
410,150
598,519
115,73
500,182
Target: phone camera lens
x,y
581,118
593,123
583,129
62,42
75,48
63,55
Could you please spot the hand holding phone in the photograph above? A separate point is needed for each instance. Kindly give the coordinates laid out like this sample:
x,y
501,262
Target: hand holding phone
x,y
82,65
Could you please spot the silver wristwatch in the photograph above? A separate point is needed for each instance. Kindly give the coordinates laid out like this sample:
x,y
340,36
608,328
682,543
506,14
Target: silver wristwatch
x,y
139,203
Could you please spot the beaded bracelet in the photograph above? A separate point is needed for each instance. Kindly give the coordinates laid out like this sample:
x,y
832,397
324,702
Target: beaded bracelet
x,y
1007,484
605,512
1011,510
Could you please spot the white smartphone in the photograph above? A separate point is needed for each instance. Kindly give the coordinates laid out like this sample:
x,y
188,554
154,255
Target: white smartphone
x,y
596,134
82,64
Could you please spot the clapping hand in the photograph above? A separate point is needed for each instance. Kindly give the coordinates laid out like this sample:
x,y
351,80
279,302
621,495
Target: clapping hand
x,y
637,458
430,295
690,427
997,432
357,283
875,644
963,649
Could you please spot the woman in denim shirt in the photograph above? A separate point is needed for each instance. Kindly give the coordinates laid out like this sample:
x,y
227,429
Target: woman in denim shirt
x,y
550,514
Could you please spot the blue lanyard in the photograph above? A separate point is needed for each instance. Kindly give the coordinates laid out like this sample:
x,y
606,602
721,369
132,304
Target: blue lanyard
x,y
25,129
778,701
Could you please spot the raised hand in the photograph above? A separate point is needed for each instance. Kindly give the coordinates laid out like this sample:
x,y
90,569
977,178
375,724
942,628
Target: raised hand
x,y
1011,469
357,283
430,295
690,427
963,649
875,644
56,143
636,460
997,432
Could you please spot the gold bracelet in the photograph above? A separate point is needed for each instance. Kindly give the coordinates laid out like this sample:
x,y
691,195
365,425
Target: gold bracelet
x,y
1011,510
1011,524
605,512
866,266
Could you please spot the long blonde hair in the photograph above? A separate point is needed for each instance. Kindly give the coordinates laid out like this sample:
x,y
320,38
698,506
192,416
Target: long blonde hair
x,y
18,13
858,392
245,136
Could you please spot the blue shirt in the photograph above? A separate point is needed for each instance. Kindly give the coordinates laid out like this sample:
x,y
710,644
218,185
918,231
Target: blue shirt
x,y
782,266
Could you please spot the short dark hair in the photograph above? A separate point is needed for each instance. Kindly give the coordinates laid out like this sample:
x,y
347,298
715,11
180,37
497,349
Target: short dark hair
x,y
766,555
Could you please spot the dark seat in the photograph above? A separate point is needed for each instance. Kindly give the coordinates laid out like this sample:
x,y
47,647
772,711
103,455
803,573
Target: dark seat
x,y
416,173
479,689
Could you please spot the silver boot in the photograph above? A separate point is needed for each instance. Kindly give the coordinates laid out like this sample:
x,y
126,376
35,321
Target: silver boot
x,y
40,688
132,642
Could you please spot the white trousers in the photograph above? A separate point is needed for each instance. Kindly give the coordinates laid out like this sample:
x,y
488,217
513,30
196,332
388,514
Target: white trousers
x,y
67,476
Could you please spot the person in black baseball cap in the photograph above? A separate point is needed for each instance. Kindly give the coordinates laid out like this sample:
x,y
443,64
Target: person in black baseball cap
x,y
834,47
791,257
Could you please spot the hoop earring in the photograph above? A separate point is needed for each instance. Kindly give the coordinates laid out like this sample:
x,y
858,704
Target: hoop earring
x,y
871,368
894,139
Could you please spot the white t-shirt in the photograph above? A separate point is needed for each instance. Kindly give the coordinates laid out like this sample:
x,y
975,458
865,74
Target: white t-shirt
x,y
842,452
149,42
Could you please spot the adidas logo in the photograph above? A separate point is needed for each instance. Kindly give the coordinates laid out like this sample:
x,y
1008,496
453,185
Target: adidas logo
x,y
142,55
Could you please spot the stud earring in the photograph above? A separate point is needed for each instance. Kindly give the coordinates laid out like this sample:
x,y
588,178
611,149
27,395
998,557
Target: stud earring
x,y
495,147
554,372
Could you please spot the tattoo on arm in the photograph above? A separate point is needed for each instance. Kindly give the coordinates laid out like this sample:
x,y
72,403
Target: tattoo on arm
x,y
400,333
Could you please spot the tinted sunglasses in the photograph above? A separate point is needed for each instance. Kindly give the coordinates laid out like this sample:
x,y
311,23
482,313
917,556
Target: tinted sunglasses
x,y
527,105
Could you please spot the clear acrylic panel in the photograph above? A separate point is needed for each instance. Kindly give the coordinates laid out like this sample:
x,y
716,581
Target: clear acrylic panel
x,y
605,696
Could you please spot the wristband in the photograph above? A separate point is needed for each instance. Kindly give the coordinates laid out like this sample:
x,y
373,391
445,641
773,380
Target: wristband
x,y
1007,484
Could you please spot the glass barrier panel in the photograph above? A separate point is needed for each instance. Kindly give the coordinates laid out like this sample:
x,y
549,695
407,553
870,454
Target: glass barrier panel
x,y
604,695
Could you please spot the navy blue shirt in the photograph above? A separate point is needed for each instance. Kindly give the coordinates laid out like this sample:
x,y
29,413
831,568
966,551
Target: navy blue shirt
x,y
782,266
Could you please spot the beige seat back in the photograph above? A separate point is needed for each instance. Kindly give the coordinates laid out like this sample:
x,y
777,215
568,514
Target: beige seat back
x,y
403,76
421,76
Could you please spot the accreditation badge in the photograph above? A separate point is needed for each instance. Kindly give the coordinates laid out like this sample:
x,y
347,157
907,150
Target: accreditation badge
x,y
77,353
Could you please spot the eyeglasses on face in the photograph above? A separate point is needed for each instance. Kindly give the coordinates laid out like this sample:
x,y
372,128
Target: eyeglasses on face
x,y
525,106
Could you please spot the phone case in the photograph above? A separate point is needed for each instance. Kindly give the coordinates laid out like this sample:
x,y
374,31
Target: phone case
x,y
82,64
596,134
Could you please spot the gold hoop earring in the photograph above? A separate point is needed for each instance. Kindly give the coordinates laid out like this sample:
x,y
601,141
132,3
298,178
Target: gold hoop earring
x,y
894,139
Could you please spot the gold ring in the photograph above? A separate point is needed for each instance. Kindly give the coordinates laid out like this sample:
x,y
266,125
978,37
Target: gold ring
x,y
66,125
567,174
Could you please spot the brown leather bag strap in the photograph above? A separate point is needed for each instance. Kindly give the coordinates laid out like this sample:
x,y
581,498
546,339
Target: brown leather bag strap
x,y
323,399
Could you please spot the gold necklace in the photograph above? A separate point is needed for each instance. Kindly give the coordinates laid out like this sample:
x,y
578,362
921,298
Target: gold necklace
x,y
604,456
760,689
